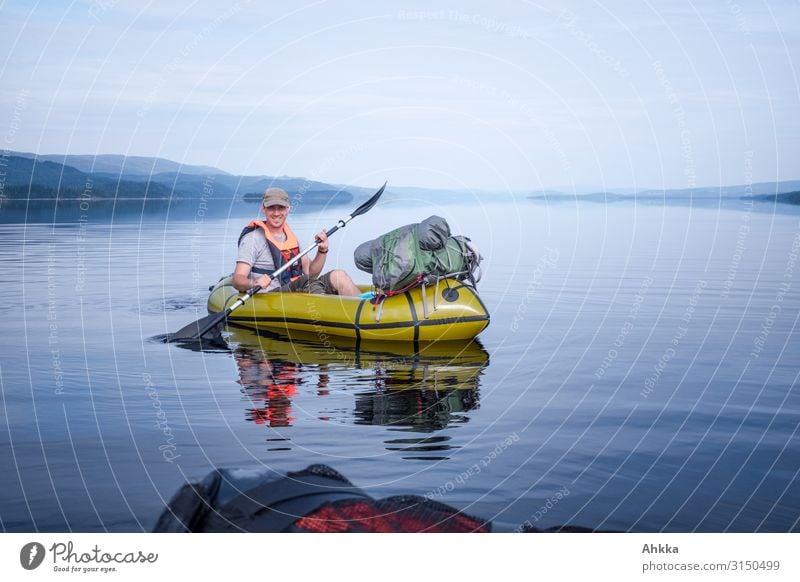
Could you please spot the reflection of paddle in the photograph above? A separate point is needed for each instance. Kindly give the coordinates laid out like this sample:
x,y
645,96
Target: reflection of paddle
x,y
196,330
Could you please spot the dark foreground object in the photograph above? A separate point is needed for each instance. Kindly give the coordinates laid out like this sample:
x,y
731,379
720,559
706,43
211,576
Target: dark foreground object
x,y
317,499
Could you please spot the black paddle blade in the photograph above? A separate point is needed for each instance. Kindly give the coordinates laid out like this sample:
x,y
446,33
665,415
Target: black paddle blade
x,y
369,203
205,328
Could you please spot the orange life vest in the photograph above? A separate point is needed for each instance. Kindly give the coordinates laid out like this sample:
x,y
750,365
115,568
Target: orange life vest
x,y
282,251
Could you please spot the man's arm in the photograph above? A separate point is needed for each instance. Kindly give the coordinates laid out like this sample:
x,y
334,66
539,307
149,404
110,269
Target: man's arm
x,y
314,268
242,281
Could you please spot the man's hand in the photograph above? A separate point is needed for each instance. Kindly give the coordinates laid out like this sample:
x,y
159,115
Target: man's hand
x,y
322,238
263,281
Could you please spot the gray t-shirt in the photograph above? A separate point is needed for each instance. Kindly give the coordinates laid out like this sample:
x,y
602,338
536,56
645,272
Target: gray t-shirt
x,y
254,251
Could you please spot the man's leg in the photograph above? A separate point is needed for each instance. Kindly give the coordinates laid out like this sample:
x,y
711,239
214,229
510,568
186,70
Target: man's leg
x,y
336,282
343,284
299,285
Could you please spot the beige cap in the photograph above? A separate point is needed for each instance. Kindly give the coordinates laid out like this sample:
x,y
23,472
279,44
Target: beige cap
x,y
275,197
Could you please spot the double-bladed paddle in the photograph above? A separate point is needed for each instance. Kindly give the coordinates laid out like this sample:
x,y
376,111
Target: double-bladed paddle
x,y
197,329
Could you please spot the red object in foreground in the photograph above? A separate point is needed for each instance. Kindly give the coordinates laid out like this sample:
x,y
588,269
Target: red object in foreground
x,y
387,516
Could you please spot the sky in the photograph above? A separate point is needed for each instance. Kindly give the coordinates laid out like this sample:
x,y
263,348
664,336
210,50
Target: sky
x,y
506,96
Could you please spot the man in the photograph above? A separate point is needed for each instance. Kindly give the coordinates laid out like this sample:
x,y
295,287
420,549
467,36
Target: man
x,y
266,245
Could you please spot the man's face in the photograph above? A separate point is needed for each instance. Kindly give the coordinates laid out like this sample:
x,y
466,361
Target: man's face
x,y
276,215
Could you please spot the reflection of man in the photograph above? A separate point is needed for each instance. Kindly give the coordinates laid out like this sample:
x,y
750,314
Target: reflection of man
x,y
420,393
275,382
266,245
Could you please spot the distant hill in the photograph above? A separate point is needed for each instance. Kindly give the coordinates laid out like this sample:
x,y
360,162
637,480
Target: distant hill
x,y
29,179
42,177
122,165
299,198
782,191
785,198
20,171
600,197
759,188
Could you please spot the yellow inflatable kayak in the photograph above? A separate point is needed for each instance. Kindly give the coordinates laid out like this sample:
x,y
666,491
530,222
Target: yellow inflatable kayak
x,y
419,315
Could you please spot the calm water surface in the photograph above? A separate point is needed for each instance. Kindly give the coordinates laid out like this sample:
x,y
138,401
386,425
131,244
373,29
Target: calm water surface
x,y
640,372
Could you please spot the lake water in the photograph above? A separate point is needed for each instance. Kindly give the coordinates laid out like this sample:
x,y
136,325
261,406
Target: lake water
x,y
640,371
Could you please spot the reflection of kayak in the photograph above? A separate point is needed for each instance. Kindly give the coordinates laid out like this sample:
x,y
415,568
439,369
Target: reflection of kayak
x,y
437,366
455,313
420,391
306,348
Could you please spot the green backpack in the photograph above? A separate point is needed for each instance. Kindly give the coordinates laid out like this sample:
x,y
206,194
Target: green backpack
x,y
417,253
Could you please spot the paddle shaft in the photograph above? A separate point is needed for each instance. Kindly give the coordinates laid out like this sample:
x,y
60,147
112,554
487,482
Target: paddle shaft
x,y
197,329
277,273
